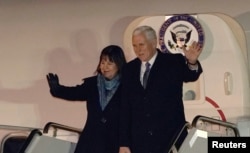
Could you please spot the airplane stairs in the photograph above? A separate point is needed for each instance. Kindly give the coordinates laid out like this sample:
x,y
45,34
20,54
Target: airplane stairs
x,y
198,133
61,139
34,140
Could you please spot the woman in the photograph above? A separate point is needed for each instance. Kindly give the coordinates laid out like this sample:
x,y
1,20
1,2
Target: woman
x,y
102,94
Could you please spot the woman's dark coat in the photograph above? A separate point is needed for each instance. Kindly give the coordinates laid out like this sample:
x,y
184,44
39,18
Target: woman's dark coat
x,y
100,134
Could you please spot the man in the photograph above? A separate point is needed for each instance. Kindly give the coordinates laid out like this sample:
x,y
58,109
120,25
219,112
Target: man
x,y
152,116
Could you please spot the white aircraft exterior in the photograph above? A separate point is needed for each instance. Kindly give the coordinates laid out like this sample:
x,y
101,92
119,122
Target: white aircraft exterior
x,y
66,37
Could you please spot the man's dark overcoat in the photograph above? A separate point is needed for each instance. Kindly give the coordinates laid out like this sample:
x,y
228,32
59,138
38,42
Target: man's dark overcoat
x,y
152,117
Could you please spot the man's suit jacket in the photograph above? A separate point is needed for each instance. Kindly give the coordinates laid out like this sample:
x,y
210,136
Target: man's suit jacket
x,y
152,117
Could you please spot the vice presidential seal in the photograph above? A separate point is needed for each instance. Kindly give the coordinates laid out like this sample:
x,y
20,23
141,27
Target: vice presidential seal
x,y
180,31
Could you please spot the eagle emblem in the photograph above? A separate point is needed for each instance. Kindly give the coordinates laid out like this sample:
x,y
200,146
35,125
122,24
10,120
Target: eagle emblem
x,y
179,31
180,36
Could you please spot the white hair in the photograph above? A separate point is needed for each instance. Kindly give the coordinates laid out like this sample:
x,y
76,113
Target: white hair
x,y
147,30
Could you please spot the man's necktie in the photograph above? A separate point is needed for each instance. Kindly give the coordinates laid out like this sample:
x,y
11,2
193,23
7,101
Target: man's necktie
x,y
146,74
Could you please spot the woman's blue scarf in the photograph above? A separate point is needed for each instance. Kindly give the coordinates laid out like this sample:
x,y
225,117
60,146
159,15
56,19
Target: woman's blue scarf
x,y
107,89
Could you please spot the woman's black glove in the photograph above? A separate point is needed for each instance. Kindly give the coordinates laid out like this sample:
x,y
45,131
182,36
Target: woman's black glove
x,y
53,81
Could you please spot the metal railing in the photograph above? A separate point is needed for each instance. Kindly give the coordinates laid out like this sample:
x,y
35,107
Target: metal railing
x,y
216,121
57,126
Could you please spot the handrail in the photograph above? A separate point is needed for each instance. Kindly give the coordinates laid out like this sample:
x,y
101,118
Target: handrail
x,y
32,134
22,134
187,125
216,121
16,129
60,126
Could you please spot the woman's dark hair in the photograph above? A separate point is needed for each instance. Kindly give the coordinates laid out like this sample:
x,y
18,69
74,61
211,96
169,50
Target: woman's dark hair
x,y
115,54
